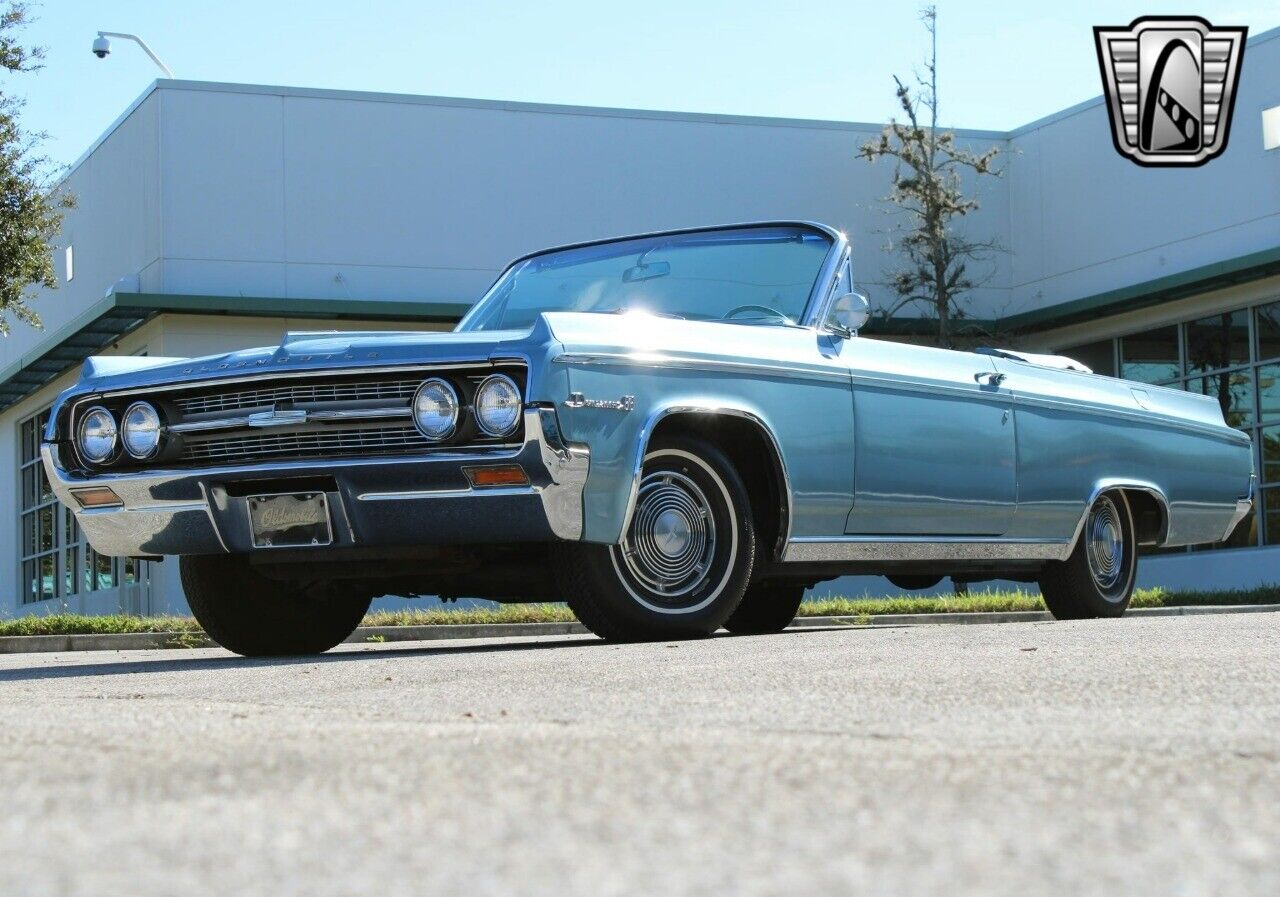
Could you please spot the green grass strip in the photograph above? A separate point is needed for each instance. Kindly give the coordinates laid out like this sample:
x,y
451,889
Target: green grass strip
x,y
977,602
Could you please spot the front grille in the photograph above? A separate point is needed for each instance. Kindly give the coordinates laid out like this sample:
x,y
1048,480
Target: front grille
x,y
316,416
298,393
333,444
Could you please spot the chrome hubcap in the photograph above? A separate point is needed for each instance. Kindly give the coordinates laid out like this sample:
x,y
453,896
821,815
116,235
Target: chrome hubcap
x,y
672,538
1106,544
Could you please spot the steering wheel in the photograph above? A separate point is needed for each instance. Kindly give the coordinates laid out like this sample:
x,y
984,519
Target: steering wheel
x,y
771,312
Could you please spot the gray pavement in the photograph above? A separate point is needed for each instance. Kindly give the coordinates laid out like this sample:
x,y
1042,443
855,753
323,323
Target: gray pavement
x,y
1139,756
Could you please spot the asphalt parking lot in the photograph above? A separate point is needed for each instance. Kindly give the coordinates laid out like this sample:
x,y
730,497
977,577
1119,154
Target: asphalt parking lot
x,y
1123,757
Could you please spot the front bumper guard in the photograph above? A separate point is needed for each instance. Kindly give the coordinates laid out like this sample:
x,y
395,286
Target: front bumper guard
x,y
387,501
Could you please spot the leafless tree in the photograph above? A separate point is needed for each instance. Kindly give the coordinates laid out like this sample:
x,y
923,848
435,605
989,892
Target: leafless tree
x,y
937,259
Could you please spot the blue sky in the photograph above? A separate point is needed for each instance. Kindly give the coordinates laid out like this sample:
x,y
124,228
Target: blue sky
x,y
1002,64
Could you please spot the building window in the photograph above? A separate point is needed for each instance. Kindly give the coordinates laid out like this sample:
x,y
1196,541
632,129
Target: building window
x,y
1233,357
1151,357
54,559
1271,515
69,262
1098,357
1271,128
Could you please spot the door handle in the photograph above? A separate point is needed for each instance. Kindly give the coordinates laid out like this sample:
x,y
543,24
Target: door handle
x,y
989,378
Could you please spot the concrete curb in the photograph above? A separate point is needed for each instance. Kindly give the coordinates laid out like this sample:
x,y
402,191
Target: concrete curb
x,y
143,641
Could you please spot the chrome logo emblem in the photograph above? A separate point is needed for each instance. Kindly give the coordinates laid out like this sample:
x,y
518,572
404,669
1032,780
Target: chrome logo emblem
x,y
1170,85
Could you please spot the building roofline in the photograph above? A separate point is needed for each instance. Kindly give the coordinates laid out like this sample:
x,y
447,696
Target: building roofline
x,y
1216,275
117,314
569,109
1083,106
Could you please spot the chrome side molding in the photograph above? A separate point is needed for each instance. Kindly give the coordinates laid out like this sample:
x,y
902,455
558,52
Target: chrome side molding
x,y
922,548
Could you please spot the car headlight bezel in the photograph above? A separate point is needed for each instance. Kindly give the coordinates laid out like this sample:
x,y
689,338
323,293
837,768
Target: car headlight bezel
x,y
454,406
81,435
125,429
492,382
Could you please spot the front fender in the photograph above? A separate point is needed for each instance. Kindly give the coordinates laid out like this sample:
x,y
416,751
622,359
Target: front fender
x,y
808,422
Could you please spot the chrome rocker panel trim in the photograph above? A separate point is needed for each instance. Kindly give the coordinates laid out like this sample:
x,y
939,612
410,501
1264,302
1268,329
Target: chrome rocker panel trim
x,y
921,548
186,511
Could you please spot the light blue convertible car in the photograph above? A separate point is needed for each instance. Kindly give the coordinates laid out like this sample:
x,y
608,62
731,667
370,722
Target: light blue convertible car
x,y
675,433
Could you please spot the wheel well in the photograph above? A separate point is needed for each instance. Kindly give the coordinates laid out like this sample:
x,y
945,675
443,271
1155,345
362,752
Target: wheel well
x,y
1150,521
753,454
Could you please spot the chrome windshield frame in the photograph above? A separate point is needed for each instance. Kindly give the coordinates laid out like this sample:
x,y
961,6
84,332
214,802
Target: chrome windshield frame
x,y
818,298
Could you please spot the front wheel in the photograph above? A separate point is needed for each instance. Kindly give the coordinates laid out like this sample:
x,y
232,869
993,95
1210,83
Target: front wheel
x,y
1097,579
245,612
685,556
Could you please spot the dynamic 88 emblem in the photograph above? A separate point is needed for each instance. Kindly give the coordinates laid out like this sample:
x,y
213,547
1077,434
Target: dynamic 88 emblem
x,y
1170,84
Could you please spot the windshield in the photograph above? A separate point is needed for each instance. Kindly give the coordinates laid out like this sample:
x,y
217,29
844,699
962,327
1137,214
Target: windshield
x,y
750,275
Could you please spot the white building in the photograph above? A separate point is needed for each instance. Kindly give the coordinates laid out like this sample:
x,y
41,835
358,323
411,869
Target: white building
x,y
217,216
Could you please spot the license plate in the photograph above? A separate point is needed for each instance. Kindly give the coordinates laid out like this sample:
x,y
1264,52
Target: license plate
x,y
290,520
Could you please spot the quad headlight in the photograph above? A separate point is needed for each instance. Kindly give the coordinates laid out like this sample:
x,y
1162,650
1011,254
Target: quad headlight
x,y
498,406
435,409
140,430
96,436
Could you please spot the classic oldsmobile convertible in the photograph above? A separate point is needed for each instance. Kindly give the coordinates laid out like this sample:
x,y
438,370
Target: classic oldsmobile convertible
x,y
675,433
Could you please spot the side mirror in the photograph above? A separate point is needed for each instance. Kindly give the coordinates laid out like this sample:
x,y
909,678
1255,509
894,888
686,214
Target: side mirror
x,y
849,314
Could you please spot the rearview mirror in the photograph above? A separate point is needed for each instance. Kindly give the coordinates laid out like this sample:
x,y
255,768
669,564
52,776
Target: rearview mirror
x,y
646,272
849,314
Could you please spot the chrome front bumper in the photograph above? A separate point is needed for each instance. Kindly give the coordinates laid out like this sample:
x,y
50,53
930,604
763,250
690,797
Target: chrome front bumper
x,y
395,501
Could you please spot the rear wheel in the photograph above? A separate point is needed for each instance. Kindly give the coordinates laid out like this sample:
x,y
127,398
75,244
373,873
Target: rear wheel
x,y
1098,579
685,557
766,607
247,613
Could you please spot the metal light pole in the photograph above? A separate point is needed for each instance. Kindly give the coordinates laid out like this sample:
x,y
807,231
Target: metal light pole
x,y
102,46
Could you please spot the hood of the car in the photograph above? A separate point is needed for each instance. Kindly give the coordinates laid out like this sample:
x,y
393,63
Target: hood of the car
x,y
306,351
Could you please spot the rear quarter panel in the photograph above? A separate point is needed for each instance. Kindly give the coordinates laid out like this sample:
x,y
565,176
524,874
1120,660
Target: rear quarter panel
x,y
1077,430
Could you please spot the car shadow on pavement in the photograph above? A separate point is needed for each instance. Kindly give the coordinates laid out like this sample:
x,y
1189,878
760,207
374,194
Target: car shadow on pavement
x,y
355,653
364,653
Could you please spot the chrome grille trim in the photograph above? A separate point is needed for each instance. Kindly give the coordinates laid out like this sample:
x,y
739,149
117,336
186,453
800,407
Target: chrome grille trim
x,y
299,393
245,420
332,443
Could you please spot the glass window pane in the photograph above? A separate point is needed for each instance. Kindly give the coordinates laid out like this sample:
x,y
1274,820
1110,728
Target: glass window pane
x,y
45,528
1267,325
28,486
46,492
30,582
70,564
1270,444
1269,392
104,572
29,536
1271,510
1234,392
1100,356
46,576
1150,357
1218,341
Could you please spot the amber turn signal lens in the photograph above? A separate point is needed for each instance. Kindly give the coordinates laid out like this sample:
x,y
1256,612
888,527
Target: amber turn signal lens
x,y
498,475
97,497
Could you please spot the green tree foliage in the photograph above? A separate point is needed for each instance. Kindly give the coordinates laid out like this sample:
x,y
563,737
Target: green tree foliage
x,y
31,206
926,190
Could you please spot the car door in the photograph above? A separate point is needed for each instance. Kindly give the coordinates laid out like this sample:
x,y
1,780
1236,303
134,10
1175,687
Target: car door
x,y
934,448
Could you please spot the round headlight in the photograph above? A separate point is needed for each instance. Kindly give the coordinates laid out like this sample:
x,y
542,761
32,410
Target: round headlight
x,y
498,405
140,430
435,409
97,436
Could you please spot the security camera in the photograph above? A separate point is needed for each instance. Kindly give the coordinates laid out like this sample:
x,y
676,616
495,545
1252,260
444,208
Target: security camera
x,y
101,47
